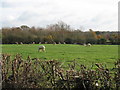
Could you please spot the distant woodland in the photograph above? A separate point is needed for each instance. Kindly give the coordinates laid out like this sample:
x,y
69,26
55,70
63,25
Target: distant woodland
x,y
58,33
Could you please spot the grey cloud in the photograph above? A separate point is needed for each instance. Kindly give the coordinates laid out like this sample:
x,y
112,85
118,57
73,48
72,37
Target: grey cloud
x,y
27,16
34,19
9,4
5,4
26,3
45,12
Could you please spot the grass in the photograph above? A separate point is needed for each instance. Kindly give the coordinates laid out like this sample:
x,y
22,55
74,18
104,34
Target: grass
x,y
106,54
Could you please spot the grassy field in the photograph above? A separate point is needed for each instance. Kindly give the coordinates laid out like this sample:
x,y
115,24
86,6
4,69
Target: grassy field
x,y
106,54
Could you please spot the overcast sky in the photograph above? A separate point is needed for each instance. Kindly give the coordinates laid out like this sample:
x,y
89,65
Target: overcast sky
x,y
90,14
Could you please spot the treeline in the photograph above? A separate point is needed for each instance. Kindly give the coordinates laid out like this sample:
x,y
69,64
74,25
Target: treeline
x,y
59,33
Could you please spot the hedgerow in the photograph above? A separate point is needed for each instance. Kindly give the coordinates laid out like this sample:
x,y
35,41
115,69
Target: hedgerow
x,y
35,73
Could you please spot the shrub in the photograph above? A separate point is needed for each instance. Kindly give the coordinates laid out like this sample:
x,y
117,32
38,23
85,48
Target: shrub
x,y
36,73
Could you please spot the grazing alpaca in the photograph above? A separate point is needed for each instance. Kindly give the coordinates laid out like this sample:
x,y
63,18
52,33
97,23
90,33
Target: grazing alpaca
x,y
54,43
88,44
16,42
41,48
33,42
64,43
21,42
84,44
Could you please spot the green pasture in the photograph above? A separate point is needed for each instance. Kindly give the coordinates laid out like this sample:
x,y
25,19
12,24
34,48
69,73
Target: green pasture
x,y
105,54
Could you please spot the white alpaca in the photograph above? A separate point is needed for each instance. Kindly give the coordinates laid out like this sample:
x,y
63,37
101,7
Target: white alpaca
x,y
84,44
54,43
64,43
46,42
41,48
16,42
21,42
59,43
33,42
88,44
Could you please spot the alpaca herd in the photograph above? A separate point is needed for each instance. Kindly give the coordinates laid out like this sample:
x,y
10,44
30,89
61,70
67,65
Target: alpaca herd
x,y
41,48
54,43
